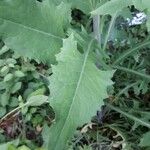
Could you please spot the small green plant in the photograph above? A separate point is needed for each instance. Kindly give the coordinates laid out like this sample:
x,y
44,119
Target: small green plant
x,y
21,95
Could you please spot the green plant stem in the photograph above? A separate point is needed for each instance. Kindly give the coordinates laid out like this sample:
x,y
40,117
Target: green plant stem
x,y
13,111
97,34
109,30
96,28
142,122
102,62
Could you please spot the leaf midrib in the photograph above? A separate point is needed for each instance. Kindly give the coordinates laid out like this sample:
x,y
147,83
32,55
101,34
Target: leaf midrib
x,y
32,29
77,87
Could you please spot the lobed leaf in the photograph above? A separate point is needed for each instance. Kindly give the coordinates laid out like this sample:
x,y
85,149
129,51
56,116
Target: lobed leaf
x,y
77,91
34,29
85,5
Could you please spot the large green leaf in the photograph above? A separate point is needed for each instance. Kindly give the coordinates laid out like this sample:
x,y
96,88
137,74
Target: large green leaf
x,y
87,5
34,29
113,7
77,91
84,5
